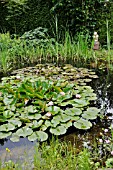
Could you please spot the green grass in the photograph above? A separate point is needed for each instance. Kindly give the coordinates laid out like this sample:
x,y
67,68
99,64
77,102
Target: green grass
x,y
55,156
16,53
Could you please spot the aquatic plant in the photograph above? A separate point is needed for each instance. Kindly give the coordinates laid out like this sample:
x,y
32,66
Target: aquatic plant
x,y
33,106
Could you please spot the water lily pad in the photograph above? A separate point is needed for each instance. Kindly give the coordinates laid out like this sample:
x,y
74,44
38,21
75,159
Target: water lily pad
x,y
47,123
36,124
59,130
89,116
67,124
8,113
15,138
92,110
82,124
81,101
53,109
3,118
4,134
45,97
91,113
65,118
7,127
30,109
55,122
7,100
34,116
16,122
73,111
40,135
25,131
43,127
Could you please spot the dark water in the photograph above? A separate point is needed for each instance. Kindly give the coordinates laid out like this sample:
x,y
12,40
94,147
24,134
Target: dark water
x,y
103,87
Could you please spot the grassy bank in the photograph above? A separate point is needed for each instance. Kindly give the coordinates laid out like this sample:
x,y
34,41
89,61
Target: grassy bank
x,y
17,52
61,155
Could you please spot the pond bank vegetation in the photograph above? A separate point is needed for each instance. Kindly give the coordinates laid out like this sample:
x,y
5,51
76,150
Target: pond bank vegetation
x,y
59,155
37,47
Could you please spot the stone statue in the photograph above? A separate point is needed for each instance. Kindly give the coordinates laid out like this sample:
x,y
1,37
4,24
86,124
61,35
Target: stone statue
x,y
96,42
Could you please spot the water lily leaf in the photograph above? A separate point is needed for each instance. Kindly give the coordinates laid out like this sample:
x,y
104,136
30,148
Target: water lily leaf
x,y
1,108
30,109
7,127
24,119
65,118
62,98
87,80
15,138
25,131
59,130
92,110
34,116
92,98
16,122
43,127
37,124
11,107
4,134
73,111
53,109
82,124
63,103
40,135
81,101
3,118
47,123
91,113
8,113
54,122
75,118
7,101
67,124
89,116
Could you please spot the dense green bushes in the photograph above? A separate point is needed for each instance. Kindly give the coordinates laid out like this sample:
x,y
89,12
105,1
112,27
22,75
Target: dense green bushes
x,y
83,16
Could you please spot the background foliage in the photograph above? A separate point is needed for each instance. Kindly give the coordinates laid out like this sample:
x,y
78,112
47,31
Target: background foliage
x,y
83,16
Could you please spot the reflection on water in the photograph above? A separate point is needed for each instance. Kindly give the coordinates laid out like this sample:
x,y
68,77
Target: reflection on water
x,y
21,151
103,87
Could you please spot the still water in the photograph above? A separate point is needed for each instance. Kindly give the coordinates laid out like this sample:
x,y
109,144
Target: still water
x,y
103,87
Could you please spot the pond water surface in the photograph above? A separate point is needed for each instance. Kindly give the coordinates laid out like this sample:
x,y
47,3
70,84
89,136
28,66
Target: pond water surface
x,y
103,87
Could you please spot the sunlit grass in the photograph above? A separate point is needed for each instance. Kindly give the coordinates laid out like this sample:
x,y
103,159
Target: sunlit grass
x,y
16,53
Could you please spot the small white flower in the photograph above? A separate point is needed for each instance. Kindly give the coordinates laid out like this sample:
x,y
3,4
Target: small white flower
x,y
107,141
78,96
62,93
105,130
18,77
50,103
100,140
48,114
111,152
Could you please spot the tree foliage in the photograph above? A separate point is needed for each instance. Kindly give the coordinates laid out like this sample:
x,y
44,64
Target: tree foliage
x,y
83,16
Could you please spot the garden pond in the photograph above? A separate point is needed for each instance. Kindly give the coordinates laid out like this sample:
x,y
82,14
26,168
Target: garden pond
x,y
38,102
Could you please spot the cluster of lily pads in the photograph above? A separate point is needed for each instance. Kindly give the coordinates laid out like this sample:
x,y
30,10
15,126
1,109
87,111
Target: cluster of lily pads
x,y
33,106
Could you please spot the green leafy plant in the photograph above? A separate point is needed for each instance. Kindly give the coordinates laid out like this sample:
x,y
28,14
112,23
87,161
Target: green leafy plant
x,y
33,106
